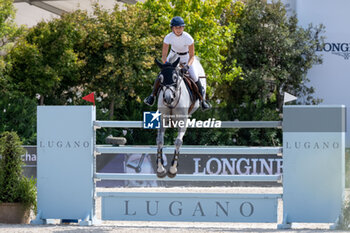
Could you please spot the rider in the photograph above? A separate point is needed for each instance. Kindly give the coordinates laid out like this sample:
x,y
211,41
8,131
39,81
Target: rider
x,y
182,44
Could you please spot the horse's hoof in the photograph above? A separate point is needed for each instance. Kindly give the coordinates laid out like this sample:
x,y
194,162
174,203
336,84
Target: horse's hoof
x,y
161,174
171,175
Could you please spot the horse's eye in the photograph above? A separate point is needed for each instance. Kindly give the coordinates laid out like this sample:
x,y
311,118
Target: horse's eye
x,y
161,77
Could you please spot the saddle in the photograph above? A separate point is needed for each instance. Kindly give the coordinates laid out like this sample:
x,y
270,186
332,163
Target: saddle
x,y
192,90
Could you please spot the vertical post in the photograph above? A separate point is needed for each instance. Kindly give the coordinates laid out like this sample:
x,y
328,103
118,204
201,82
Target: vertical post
x,y
65,163
313,163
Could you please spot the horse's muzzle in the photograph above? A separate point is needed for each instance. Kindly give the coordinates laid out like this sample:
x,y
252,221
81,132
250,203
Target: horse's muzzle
x,y
168,97
168,100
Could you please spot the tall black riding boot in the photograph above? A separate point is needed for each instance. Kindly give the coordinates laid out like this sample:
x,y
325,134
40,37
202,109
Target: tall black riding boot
x,y
205,105
149,100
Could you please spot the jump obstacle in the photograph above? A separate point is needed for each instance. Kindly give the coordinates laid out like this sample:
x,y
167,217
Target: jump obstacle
x,y
66,172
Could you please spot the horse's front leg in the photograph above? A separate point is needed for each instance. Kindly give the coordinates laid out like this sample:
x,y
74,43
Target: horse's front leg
x,y
161,172
178,143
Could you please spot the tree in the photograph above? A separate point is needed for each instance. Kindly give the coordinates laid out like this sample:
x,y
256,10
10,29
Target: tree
x,y
45,60
8,28
120,50
8,33
17,111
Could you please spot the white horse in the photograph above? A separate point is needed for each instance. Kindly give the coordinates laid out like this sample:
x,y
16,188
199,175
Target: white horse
x,y
174,103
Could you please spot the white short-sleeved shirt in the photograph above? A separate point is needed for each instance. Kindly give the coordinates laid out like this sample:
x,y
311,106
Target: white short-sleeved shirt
x,y
179,43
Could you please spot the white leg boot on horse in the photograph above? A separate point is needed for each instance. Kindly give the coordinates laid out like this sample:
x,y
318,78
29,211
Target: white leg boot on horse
x,y
178,143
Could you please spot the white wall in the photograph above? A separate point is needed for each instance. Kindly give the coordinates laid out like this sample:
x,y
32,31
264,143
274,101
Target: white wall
x,y
31,15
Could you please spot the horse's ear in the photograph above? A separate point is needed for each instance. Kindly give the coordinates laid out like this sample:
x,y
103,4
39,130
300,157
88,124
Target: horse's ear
x,y
158,63
176,62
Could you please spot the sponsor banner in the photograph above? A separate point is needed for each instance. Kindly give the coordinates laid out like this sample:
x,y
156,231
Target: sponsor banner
x,y
225,165
229,164
29,158
337,48
189,164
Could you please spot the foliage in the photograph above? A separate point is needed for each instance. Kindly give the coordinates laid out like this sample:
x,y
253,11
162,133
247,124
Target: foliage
x,y
345,218
344,223
45,61
347,169
8,28
14,187
122,50
8,34
18,112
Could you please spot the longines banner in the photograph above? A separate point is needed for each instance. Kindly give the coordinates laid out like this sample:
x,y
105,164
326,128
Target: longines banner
x,y
190,164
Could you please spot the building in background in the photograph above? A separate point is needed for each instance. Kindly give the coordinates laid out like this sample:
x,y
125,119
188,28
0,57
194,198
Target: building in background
x,y
30,12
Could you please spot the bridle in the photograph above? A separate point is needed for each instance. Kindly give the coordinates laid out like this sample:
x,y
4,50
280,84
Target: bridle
x,y
177,79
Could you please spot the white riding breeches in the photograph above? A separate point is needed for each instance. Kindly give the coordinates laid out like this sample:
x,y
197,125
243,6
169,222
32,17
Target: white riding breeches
x,y
193,73
183,60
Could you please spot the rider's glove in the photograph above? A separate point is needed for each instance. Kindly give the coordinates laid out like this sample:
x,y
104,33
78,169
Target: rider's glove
x,y
185,69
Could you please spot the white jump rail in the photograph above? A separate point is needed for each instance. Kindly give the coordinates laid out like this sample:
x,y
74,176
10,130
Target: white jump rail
x,y
224,124
207,150
189,177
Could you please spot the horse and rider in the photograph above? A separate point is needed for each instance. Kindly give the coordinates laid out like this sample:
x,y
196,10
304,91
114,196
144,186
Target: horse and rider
x,y
182,46
180,87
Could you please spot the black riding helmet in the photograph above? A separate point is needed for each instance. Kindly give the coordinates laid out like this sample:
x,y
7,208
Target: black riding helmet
x,y
177,21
